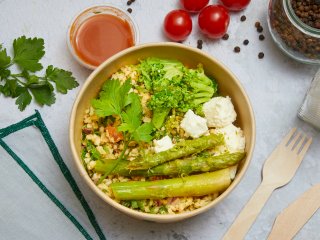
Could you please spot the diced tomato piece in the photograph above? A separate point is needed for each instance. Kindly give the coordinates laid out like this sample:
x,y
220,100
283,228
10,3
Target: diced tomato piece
x,y
114,134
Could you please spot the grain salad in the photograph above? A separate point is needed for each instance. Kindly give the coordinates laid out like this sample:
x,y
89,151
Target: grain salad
x,y
159,139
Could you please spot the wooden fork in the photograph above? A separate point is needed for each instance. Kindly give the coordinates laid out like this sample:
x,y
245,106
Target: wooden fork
x,y
278,170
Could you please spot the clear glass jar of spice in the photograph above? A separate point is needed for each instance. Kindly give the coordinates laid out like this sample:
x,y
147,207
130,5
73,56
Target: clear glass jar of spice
x,y
295,28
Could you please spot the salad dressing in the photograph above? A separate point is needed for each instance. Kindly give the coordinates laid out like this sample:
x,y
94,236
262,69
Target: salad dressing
x,y
101,36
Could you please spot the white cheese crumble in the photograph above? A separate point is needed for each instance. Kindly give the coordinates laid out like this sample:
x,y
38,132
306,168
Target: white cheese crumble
x,y
163,144
219,112
194,125
233,137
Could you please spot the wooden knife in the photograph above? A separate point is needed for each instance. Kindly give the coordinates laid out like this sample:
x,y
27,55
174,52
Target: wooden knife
x,y
294,217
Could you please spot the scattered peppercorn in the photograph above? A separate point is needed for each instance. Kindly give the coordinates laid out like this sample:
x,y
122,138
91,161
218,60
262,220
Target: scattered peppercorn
x,y
261,55
260,29
243,18
129,2
257,24
246,42
236,49
129,10
261,37
199,43
133,1
225,36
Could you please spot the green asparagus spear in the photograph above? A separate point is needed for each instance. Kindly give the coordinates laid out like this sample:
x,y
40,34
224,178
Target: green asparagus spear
x,y
195,185
176,167
181,149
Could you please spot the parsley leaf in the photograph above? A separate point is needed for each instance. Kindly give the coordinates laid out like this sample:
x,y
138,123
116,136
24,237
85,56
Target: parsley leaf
x,y
131,116
63,79
143,133
11,88
24,99
43,94
24,85
112,98
4,58
28,52
4,74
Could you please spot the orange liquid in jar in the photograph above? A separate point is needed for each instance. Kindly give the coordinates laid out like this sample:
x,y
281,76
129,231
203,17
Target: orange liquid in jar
x,y
101,36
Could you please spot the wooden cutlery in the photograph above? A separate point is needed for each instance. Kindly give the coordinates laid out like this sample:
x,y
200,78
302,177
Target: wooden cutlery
x,y
293,218
278,170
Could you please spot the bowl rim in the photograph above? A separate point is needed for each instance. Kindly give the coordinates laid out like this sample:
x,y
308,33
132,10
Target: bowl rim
x,y
132,23
148,216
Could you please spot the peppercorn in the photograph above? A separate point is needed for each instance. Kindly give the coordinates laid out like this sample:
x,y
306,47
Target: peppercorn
x,y
246,42
257,24
261,37
243,18
236,49
225,36
199,44
260,29
261,55
129,2
129,10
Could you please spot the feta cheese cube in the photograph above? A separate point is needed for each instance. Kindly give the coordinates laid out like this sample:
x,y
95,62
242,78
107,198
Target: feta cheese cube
x,y
194,125
163,144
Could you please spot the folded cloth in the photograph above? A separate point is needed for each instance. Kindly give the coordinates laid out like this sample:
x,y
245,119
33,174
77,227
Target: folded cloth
x,y
33,191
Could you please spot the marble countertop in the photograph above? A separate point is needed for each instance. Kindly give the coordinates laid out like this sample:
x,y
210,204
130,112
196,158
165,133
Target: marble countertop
x,y
276,86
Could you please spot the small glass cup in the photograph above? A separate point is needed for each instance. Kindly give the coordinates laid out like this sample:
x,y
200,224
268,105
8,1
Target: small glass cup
x,y
92,11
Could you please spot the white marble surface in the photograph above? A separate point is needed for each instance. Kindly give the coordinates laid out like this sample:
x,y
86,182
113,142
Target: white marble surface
x,y
276,86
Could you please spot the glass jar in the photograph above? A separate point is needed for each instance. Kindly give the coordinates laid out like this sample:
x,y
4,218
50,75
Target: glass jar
x,y
297,39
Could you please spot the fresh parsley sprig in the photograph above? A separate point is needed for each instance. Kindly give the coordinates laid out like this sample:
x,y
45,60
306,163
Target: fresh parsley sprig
x,y
27,53
115,99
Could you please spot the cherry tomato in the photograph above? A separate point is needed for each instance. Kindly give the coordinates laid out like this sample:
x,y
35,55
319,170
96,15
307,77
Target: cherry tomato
x,y
235,5
177,25
194,5
214,20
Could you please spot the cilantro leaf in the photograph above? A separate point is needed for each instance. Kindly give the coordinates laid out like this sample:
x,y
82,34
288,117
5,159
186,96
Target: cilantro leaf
x,y
4,58
63,79
143,133
28,52
43,94
112,98
24,99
